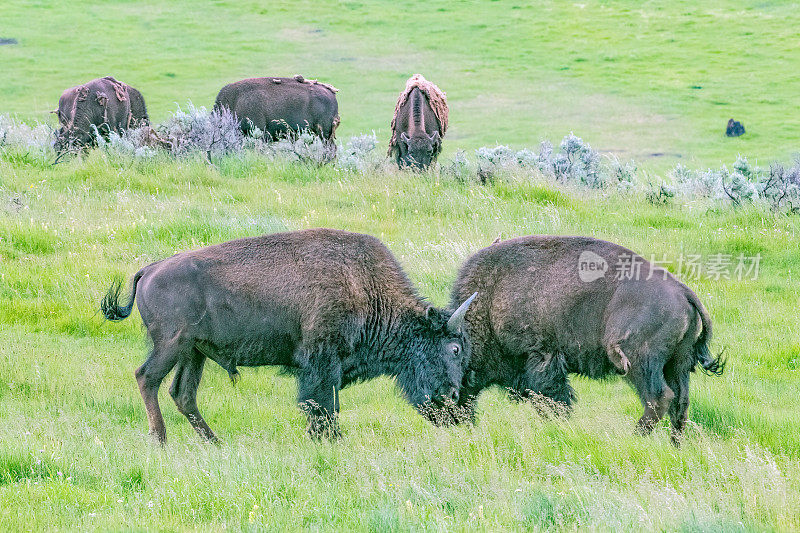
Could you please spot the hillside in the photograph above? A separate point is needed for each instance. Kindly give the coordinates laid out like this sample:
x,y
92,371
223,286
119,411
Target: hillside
x,y
656,82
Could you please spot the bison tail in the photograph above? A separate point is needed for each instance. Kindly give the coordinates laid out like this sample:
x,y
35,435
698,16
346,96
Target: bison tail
x,y
110,306
713,366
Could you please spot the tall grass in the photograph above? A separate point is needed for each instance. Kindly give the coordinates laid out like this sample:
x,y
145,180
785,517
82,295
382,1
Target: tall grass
x,y
73,447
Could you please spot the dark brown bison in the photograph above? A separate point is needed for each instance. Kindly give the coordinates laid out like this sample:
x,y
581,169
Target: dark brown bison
x,y
333,306
419,124
549,306
104,104
282,106
734,128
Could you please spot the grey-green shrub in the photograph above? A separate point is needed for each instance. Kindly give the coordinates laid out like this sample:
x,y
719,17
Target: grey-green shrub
x,y
359,154
216,133
16,134
778,187
213,133
575,162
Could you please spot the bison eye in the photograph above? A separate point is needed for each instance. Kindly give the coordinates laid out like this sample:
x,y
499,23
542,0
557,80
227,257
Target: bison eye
x,y
454,348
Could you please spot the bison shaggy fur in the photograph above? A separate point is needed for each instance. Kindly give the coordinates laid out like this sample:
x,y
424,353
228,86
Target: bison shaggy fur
x,y
550,306
331,306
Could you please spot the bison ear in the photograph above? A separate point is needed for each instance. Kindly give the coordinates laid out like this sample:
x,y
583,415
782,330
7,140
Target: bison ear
x,y
470,379
102,99
431,312
436,317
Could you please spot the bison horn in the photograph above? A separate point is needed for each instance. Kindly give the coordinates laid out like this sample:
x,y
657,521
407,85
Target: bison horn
x,y
456,321
404,137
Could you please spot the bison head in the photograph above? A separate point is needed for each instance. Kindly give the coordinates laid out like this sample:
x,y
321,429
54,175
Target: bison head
x,y
419,150
70,140
432,369
81,117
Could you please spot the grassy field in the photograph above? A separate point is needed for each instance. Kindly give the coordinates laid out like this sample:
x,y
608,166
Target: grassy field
x,y
633,79
74,453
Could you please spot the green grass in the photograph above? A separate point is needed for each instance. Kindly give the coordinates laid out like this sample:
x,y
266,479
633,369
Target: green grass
x,y
654,81
73,447
74,454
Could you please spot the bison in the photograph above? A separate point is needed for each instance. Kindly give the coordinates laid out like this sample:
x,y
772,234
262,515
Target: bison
x,y
419,124
734,128
282,106
104,105
334,307
549,306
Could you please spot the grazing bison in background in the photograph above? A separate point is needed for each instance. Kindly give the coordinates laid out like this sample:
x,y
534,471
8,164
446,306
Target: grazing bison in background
x,y
419,124
549,306
105,103
734,128
334,306
282,106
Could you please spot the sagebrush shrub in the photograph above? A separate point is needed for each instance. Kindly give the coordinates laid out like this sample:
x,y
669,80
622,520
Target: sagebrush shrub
x,y
16,134
778,186
458,168
359,154
659,194
781,187
216,133
137,143
213,133
623,175
304,147
494,160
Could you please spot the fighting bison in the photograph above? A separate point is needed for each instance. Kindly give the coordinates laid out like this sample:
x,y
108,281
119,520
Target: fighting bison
x,y
334,307
549,306
282,106
105,104
419,124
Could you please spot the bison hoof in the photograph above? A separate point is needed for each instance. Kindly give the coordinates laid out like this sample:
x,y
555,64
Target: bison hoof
x,y
157,438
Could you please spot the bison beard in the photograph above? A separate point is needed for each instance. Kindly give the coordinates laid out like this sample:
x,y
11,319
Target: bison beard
x,y
536,321
331,306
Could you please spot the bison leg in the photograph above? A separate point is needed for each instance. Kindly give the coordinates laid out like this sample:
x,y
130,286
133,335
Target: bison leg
x,y
184,393
677,376
149,377
319,382
545,381
679,408
247,126
648,378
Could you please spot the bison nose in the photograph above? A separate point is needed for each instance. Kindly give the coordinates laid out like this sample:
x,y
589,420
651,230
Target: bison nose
x,y
448,393
454,395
